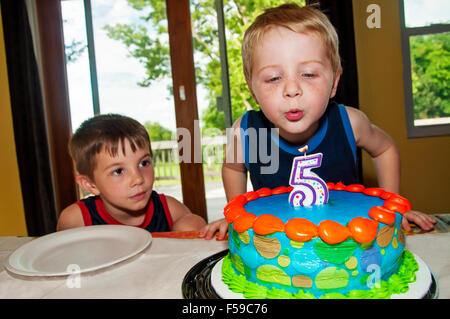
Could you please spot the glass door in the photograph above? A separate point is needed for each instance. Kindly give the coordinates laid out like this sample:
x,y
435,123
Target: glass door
x,y
218,28
118,61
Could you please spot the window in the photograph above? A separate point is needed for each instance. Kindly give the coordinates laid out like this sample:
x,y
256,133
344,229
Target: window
x,y
426,59
109,78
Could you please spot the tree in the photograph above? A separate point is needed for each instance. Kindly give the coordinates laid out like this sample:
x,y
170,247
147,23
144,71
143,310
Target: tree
x,y
74,50
157,132
430,74
148,42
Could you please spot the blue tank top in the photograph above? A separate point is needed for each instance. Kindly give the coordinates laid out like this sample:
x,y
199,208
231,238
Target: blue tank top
x,y
334,139
157,218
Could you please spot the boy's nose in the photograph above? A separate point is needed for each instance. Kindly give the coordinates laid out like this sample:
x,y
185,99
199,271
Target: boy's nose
x,y
137,178
292,89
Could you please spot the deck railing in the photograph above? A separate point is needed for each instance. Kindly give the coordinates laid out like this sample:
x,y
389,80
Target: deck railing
x,y
166,159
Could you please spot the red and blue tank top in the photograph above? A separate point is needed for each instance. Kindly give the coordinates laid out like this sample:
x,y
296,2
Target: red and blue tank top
x,y
157,218
334,139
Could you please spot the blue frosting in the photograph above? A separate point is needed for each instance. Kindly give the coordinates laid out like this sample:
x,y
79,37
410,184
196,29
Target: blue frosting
x,y
342,207
357,265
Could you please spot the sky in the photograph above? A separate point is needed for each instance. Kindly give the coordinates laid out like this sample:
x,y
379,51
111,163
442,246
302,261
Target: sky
x,y
422,12
118,73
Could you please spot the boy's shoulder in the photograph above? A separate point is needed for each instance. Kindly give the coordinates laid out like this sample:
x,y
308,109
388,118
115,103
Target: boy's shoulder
x,y
70,217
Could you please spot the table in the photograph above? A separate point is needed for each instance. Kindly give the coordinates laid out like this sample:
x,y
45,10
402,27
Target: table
x,y
158,272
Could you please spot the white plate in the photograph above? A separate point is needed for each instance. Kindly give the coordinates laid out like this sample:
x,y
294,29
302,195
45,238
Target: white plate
x,y
78,250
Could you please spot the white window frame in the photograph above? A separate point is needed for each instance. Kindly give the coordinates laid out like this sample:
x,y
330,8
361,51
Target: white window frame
x,y
435,129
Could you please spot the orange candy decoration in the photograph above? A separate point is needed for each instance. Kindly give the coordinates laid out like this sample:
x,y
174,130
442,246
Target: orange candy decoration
x,y
332,232
244,222
355,188
267,224
339,186
234,212
300,229
280,190
400,200
363,230
252,195
241,199
382,214
395,207
373,191
263,192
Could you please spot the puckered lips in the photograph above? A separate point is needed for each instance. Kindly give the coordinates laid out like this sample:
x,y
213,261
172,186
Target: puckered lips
x,y
294,114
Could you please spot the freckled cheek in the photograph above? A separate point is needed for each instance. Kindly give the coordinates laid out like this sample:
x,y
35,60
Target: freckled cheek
x,y
115,188
268,98
149,174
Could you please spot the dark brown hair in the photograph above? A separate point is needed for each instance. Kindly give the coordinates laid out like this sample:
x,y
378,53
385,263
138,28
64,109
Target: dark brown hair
x,y
105,132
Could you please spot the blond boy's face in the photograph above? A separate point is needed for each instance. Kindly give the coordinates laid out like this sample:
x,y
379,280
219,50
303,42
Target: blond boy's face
x,y
292,80
124,182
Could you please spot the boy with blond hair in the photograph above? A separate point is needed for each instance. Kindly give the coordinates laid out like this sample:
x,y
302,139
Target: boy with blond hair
x,y
292,68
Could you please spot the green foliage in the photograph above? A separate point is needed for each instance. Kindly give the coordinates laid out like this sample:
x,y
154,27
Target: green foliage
x,y
74,50
158,132
148,42
430,74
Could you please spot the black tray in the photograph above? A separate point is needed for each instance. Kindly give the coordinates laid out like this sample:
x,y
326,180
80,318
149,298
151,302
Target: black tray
x,y
197,282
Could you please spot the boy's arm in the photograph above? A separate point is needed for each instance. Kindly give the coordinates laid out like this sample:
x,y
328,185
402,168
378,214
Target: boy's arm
x,y
183,219
234,172
70,217
234,182
234,178
386,160
381,148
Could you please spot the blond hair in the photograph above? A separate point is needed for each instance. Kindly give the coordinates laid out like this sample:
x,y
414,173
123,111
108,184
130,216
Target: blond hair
x,y
294,18
105,132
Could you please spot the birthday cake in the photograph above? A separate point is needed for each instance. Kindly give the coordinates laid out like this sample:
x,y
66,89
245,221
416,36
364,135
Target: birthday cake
x,y
352,246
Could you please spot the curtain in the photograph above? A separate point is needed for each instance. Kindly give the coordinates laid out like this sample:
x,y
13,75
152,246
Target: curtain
x,y
340,14
28,120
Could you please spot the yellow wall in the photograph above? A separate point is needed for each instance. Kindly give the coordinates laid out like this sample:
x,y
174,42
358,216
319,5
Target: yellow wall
x,y
425,161
12,216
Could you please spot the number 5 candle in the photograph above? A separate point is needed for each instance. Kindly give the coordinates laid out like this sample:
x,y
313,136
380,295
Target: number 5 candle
x,y
308,188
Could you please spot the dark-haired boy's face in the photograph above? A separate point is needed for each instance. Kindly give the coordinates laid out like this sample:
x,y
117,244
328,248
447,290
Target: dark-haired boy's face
x,y
124,181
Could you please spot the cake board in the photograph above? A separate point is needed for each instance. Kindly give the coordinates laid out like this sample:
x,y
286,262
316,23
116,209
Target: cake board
x,y
204,281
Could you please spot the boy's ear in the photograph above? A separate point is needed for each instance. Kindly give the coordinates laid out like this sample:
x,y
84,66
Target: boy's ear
x,y
335,84
87,184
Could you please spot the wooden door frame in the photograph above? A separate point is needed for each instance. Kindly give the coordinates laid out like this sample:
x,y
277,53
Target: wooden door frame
x,y
56,100
185,97
58,110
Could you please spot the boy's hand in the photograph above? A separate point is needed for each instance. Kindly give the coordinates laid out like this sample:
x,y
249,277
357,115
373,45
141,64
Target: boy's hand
x,y
209,230
422,220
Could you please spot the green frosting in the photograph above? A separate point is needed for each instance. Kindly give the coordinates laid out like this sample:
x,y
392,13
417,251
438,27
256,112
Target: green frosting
x,y
255,291
235,236
333,295
276,293
336,253
238,284
238,264
303,295
332,278
273,274
397,283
